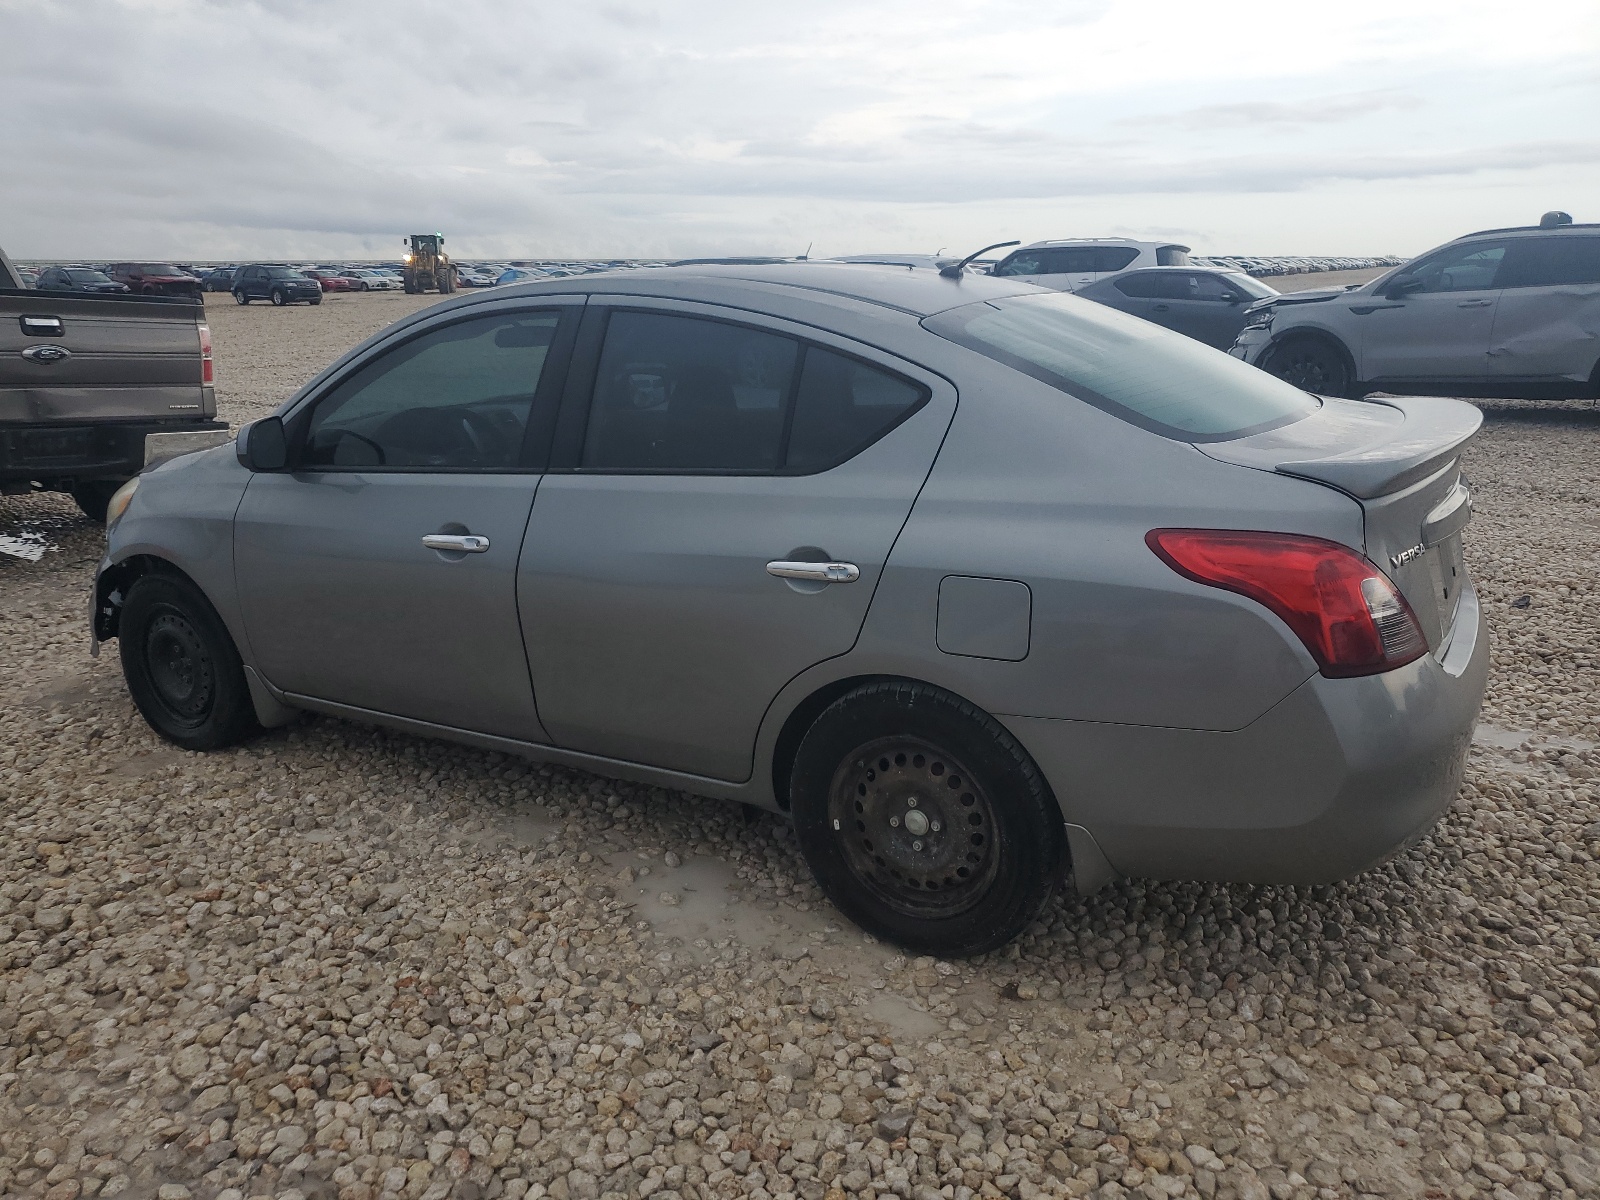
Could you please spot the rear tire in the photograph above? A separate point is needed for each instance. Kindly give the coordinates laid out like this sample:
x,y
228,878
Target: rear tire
x,y
1312,364
182,668
93,496
241,297
924,821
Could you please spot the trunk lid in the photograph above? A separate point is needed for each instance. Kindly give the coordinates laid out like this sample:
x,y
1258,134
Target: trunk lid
x,y
1400,458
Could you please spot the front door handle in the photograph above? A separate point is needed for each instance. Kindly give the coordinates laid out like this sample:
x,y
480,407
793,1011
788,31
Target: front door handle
x,y
461,543
1161,307
816,572
1475,304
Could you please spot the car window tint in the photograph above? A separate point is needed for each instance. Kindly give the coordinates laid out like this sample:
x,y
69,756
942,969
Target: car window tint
x,y
1550,262
1469,268
1136,370
682,393
842,407
455,398
1153,285
1207,287
1171,256
1024,262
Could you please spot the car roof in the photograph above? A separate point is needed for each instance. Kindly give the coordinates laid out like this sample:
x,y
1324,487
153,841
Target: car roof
x,y
1112,241
916,291
1545,229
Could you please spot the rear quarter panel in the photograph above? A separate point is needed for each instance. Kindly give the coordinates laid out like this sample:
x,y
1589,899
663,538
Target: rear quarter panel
x,y
1034,486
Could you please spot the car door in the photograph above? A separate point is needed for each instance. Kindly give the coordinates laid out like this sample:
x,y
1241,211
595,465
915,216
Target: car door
x,y
700,451
379,570
1440,331
1208,309
1547,323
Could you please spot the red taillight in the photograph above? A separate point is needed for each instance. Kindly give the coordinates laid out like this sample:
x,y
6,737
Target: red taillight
x,y
1343,608
207,369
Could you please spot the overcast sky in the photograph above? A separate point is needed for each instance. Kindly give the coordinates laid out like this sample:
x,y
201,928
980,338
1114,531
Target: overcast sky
x,y
310,128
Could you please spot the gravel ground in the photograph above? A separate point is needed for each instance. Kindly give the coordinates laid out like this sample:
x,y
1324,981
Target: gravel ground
x,y
347,962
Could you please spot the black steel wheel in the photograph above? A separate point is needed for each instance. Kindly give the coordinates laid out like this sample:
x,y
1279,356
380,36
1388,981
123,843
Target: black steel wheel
x,y
1313,365
924,820
181,666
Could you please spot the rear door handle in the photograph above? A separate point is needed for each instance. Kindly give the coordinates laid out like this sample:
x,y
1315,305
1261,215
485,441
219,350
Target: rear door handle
x,y
43,327
461,543
1162,307
1475,304
817,572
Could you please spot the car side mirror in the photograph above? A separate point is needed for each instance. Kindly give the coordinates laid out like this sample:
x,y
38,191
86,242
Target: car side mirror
x,y
262,445
1403,285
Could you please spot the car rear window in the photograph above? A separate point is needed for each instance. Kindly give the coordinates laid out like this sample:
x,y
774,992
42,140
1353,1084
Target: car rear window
x,y
1172,256
1140,372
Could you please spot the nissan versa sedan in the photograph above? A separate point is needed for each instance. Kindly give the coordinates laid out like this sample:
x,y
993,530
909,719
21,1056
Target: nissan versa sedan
x,y
984,584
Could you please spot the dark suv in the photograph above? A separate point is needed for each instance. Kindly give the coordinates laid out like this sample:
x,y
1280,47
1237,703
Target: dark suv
x,y
155,279
280,284
79,279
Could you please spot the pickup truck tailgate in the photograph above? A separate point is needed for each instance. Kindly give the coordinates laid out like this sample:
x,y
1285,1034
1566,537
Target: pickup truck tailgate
x,y
83,358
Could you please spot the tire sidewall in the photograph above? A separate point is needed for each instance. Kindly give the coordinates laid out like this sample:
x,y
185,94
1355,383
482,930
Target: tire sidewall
x,y
240,296
231,715
1030,839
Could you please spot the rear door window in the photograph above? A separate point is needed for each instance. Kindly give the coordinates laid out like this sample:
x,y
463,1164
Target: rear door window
x,y
1146,375
1153,285
842,407
679,393
1550,262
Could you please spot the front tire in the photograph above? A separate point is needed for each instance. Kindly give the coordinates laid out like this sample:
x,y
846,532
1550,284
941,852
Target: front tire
x,y
279,299
1312,364
924,821
181,666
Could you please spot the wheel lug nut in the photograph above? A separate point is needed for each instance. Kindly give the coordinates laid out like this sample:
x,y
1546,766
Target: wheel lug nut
x,y
895,821
912,802
934,827
916,845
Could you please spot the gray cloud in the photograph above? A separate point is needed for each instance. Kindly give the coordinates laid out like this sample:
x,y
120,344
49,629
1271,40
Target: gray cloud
x,y
296,127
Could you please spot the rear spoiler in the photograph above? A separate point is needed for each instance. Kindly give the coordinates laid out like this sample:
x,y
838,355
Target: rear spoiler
x,y
1432,434
1366,449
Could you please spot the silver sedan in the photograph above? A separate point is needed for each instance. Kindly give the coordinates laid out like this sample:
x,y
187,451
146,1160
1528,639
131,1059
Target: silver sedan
x,y
986,585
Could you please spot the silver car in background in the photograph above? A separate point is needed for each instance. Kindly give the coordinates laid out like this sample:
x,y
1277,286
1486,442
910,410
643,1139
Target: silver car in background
x,y
1504,312
1210,304
986,585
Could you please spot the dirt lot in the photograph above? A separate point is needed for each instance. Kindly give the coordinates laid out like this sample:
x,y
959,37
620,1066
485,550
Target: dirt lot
x,y
346,962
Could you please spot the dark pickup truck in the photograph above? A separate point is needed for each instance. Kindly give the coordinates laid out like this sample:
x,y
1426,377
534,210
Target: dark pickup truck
x,y
85,381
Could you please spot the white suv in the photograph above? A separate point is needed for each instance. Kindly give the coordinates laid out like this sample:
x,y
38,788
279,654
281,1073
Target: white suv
x,y
1077,262
1504,312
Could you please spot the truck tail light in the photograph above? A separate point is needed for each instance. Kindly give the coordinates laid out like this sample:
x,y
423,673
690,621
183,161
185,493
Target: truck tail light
x,y
207,367
1342,607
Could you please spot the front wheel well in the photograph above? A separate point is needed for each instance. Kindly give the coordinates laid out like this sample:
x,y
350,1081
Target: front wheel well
x,y
111,589
1320,337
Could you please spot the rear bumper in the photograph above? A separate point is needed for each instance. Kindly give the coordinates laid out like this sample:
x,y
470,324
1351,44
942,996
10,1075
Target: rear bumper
x,y
1339,776
59,453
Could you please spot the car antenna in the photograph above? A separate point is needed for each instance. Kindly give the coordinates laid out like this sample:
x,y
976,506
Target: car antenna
x,y
953,271
806,257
